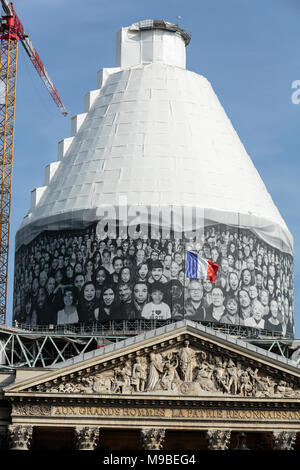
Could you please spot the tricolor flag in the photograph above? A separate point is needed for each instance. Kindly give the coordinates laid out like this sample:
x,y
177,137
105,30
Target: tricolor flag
x,y
200,268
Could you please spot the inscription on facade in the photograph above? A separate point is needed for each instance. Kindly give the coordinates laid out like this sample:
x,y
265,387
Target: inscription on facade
x,y
168,413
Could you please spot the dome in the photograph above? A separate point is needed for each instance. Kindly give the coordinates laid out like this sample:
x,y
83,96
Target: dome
x,y
153,134
156,133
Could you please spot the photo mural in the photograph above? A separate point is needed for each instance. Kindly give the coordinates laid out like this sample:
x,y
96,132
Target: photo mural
x,y
83,277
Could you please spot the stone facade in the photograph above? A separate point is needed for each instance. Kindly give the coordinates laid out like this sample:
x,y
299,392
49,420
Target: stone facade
x,y
184,379
181,370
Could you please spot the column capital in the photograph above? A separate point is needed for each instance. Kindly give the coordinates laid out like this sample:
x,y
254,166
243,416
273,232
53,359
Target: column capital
x,y
284,440
152,438
19,437
86,437
218,439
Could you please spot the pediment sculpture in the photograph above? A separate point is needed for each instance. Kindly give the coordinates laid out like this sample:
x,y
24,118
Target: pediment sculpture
x,y
180,370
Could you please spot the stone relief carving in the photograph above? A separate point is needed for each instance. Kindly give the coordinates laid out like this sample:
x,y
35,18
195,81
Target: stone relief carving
x,y
217,439
19,437
86,438
179,370
31,410
283,440
152,439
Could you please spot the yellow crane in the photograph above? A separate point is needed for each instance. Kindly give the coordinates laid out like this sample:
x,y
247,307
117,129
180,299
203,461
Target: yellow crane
x,y
11,32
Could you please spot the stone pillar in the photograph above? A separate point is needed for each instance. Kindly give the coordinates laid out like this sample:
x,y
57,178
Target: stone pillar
x,y
153,438
283,440
19,437
86,437
217,439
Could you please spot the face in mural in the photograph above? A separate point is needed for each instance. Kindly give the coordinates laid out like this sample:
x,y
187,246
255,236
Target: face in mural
x,y
79,281
89,292
217,297
140,293
125,275
117,265
157,296
232,306
41,298
143,271
108,297
51,285
68,298
244,299
125,292
246,277
233,281
195,291
274,308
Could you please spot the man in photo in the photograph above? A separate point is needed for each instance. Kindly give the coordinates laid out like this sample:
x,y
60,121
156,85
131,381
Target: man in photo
x,y
216,309
256,321
157,273
140,297
193,307
126,310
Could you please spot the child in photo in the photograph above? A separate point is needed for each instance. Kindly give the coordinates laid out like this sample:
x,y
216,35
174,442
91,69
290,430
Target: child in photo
x,y
156,309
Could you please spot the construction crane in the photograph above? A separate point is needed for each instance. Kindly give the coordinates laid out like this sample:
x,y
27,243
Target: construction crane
x,y
11,32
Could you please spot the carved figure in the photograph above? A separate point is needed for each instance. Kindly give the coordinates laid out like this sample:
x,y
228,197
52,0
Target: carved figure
x,y
265,387
283,440
122,379
245,384
233,377
179,370
204,375
284,389
220,375
155,369
170,377
88,384
139,374
187,362
102,384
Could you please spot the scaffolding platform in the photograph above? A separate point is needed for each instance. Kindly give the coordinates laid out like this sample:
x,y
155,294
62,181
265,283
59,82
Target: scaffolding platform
x,y
45,346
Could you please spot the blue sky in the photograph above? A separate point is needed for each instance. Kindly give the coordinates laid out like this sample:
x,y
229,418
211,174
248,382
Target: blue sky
x,y
247,49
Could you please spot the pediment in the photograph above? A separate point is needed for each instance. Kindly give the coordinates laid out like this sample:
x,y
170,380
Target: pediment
x,y
186,359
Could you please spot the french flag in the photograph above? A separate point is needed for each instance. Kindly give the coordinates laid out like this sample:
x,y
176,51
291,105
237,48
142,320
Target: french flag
x,y
200,268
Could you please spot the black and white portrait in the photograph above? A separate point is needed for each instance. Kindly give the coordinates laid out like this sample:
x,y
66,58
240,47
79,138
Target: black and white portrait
x,y
73,277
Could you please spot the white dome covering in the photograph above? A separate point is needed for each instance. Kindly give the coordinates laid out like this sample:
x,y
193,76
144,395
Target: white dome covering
x,y
156,133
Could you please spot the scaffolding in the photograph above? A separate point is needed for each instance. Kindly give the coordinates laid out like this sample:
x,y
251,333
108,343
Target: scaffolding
x,y
45,346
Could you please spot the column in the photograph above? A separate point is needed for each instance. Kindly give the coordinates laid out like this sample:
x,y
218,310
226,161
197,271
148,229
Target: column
x,y
217,439
284,440
19,437
153,438
86,438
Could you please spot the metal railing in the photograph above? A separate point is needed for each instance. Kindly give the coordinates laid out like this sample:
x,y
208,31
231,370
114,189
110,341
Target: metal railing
x,y
132,327
46,345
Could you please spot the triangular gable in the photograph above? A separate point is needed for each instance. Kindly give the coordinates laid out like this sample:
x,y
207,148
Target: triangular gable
x,y
185,358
